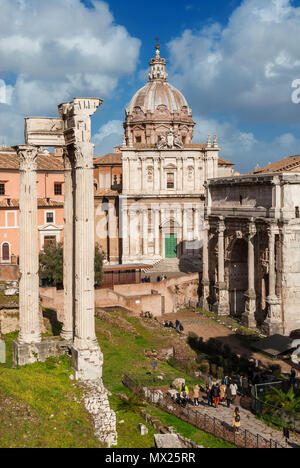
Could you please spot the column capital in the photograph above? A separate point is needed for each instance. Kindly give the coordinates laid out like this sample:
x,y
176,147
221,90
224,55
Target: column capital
x,y
221,228
83,155
27,157
252,231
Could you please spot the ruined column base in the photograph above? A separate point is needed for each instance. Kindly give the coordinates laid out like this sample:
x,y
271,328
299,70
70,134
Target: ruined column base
x,y
270,328
28,353
87,363
273,324
104,419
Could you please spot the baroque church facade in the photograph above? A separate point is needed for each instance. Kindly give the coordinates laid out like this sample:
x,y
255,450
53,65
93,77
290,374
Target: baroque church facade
x,y
150,193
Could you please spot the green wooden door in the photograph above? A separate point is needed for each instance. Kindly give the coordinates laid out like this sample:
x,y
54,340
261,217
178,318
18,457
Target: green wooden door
x,y
171,246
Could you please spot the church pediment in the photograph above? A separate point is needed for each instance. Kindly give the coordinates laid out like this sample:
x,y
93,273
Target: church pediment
x,y
50,227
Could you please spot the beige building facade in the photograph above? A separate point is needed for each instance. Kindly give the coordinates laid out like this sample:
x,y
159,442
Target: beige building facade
x,y
154,209
251,251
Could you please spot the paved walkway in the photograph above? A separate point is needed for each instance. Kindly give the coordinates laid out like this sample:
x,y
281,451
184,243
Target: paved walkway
x,y
248,422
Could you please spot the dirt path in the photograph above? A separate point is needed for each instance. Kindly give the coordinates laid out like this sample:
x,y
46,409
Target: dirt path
x,y
207,328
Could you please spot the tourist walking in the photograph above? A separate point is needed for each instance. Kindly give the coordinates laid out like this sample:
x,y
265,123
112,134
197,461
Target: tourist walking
x,y
293,377
228,396
216,394
209,395
234,389
196,392
236,423
222,392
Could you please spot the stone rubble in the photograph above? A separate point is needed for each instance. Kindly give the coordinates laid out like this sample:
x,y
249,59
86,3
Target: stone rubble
x,y
104,419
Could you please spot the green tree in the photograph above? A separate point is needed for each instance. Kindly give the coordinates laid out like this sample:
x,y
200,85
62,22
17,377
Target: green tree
x,y
51,264
288,402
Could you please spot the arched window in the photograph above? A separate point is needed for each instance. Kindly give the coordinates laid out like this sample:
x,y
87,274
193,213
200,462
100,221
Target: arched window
x,y
5,252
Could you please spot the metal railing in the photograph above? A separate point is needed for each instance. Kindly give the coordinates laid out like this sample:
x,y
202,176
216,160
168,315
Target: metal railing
x,y
203,422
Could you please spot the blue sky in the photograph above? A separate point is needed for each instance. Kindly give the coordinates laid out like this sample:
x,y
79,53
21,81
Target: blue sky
x,y
235,61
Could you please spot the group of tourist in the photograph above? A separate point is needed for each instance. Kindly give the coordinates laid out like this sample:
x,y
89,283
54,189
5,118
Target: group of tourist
x,y
178,325
219,393
227,391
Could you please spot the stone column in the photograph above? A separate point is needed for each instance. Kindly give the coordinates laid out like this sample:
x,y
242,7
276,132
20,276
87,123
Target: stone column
x,y
126,174
113,235
132,235
185,231
248,317
179,174
125,235
156,232
156,175
145,232
30,328
196,224
162,175
222,306
87,357
273,323
205,274
68,326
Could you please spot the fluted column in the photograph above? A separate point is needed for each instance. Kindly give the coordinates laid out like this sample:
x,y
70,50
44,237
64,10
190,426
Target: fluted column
x,y
125,234
145,232
68,325
222,306
156,232
162,175
185,231
30,328
273,323
86,345
156,175
205,261
250,303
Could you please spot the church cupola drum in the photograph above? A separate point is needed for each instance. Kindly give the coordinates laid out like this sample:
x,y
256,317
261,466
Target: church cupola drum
x,y
157,108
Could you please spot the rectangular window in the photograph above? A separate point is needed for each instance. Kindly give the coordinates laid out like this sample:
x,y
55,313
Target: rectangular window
x,y
49,240
297,212
170,180
49,217
2,189
138,139
57,189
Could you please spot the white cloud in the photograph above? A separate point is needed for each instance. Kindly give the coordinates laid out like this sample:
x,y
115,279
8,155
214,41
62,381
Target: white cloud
x,y
57,50
243,148
108,136
246,68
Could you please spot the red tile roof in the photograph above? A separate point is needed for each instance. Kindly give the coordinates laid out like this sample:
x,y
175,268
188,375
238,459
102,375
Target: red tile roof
x,y
109,160
46,162
290,164
42,203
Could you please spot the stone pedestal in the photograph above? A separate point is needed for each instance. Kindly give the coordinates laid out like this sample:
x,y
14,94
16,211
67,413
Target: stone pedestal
x,y
28,353
221,307
2,352
273,323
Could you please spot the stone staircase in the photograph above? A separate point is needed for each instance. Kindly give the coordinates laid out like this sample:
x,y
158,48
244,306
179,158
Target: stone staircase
x,y
174,267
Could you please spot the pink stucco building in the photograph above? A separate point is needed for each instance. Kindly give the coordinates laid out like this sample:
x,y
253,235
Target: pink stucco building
x,y
50,189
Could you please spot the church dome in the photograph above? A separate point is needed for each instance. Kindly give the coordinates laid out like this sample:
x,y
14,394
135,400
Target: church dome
x,y
158,93
157,108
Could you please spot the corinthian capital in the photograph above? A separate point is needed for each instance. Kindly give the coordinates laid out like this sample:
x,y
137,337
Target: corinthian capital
x,y
83,155
27,157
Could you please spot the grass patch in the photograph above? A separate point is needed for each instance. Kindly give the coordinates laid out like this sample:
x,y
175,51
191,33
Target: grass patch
x,y
40,407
